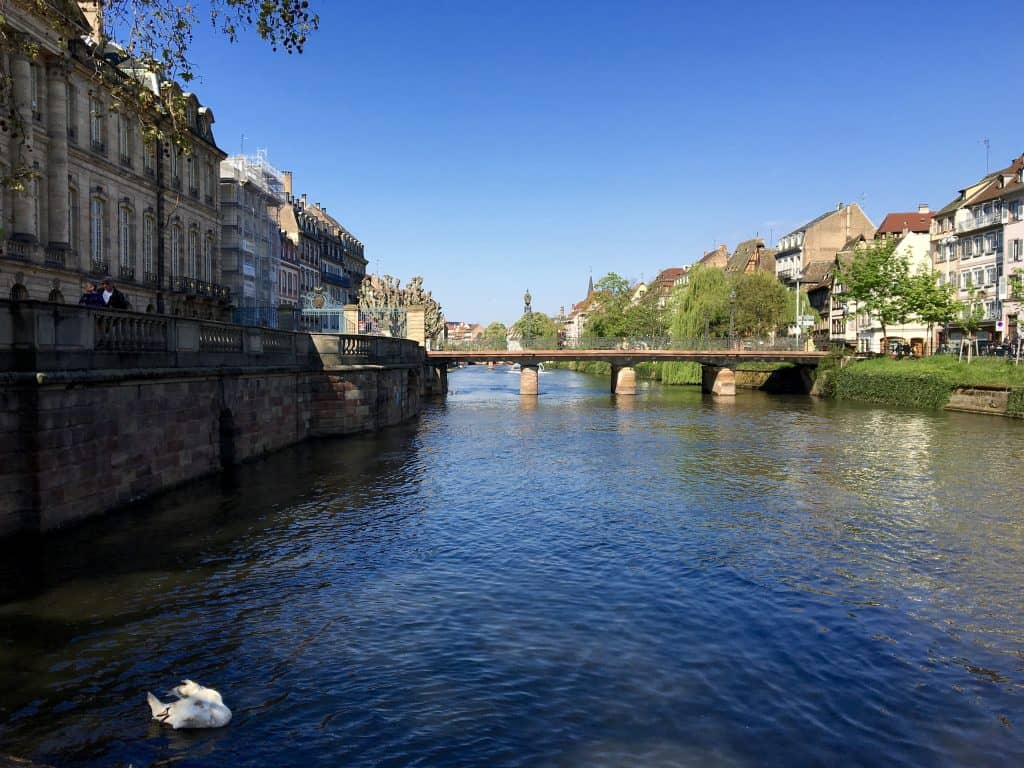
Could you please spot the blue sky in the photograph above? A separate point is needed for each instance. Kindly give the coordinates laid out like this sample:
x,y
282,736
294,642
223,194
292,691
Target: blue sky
x,y
498,146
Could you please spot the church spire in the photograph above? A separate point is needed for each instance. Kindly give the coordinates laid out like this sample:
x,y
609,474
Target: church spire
x,y
590,286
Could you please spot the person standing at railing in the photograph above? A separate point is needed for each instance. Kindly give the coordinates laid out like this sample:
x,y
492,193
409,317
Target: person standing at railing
x,y
112,297
91,296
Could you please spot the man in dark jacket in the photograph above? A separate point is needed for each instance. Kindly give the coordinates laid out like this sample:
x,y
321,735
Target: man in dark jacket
x,y
112,297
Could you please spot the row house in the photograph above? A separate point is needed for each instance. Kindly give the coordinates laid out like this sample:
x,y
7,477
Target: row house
x,y
99,199
751,256
819,240
666,281
251,195
976,246
342,263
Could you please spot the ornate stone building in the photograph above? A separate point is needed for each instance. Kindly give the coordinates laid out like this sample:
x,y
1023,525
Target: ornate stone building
x,y
99,201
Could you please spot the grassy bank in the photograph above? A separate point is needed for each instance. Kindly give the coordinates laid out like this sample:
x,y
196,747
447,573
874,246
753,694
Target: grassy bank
x,y
922,382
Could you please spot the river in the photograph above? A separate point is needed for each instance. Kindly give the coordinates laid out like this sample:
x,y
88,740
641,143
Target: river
x,y
572,580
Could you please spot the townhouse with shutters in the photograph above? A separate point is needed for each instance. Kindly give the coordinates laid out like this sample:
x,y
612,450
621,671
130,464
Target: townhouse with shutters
x,y
977,246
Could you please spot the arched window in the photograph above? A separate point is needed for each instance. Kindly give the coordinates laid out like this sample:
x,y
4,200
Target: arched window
x,y
97,214
126,241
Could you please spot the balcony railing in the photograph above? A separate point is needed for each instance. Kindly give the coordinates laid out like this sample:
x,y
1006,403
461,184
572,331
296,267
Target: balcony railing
x,y
99,146
19,249
150,278
99,267
127,273
56,257
194,287
983,220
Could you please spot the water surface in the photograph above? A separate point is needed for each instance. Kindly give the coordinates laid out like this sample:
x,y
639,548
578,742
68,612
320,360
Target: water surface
x,y
665,580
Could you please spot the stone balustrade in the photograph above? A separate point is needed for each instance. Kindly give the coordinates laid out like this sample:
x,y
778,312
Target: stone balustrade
x,y
40,336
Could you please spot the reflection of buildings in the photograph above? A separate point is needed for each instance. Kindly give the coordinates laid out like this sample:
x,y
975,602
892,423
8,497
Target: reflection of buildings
x,y
99,200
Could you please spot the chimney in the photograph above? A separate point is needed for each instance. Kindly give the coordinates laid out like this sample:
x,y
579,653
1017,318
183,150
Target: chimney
x,y
923,208
303,199
93,12
839,205
286,177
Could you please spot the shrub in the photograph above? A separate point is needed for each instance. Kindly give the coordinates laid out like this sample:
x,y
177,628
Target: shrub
x,y
907,387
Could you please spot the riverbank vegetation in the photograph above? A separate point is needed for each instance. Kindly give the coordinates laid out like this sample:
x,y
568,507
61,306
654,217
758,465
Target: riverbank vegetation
x,y
922,382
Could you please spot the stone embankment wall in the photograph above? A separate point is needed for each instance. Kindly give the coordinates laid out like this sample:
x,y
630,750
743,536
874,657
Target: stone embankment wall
x,y
88,426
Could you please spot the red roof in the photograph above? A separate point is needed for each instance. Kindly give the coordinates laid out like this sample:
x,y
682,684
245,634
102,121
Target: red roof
x,y
898,223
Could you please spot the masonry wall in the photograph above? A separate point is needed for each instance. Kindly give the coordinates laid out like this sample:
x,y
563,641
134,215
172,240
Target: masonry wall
x,y
88,442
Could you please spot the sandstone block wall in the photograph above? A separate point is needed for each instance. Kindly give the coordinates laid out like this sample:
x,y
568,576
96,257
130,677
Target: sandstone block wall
x,y
80,445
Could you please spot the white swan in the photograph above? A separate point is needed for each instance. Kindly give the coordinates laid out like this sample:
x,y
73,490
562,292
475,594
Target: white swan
x,y
196,707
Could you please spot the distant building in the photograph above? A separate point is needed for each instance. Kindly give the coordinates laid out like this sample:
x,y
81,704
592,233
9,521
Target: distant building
x,y
666,281
716,259
819,240
751,256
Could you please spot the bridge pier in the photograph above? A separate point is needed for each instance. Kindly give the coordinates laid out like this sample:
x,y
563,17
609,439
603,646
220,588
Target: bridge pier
x,y
623,380
718,381
435,380
528,380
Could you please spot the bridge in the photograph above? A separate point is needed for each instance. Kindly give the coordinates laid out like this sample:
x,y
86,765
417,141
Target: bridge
x,y
718,364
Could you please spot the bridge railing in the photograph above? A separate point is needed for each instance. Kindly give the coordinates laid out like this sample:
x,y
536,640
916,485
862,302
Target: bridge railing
x,y
663,343
42,336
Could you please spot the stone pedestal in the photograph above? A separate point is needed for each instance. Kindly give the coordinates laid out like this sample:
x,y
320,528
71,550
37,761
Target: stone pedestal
x,y
528,379
718,381
623,380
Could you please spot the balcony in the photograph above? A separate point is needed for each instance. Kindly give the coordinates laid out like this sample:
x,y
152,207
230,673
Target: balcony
x,y
19,250
56,257
333,279
127,273
193,287
98,146
983,220
99,267
150,279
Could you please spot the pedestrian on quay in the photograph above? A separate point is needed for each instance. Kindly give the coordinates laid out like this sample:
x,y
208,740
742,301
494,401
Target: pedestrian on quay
x,y
91,296
112,297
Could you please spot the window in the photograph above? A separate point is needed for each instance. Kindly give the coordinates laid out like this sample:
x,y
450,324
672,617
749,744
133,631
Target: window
x,y
73,214
72,113
978,276
977,246
175,171
990,276
193,175
193,253
149,247
965,279
149,158
990,242
124,139
37,92
208,258
1017,249
97,212
125,242
176,256
96,133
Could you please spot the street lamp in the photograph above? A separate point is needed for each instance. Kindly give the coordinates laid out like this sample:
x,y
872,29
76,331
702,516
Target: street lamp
x,y
732,317
797,277
528,315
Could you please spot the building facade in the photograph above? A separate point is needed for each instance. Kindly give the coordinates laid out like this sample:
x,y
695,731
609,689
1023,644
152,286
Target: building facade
x,y
251,193
819,240
99,201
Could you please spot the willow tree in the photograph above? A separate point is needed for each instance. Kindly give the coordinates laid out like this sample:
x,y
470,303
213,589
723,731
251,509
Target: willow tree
x,y
701,306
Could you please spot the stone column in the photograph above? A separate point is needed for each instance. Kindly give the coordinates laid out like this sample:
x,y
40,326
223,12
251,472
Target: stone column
x,y
416,325
351,317
528,380
718,381
22,146
57,161
623,380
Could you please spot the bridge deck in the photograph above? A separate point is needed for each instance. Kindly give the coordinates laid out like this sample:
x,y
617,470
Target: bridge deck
x,y
627,357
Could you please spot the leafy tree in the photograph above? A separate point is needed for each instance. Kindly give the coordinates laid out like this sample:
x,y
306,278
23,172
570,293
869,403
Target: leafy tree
x,y
701,307
972,312
612,284
386,292
151,54
537,327
496,336
762,304
878,279
931,301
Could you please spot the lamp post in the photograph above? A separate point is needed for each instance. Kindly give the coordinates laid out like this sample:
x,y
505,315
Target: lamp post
x,y
797,277
528,316
732,318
